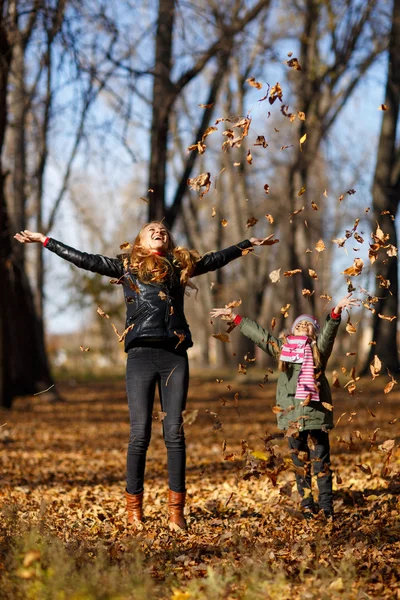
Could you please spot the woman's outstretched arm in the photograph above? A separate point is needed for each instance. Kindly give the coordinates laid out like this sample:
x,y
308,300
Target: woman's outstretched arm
x,y
216,260
103,265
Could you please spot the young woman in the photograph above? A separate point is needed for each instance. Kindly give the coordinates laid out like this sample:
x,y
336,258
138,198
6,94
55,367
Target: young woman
x,y
154,277
303,394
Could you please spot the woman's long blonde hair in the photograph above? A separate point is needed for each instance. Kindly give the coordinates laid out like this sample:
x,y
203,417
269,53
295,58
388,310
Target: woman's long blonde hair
x,y
283,365
155,268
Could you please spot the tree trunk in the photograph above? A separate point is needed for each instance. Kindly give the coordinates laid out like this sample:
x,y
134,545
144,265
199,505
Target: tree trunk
x,y
386,198
163,97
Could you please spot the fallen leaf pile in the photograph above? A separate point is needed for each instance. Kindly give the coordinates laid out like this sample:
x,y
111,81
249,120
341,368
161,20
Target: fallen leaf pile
x,y
63,469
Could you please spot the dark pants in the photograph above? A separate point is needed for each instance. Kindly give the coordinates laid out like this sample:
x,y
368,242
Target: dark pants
x,y
319,459
169,370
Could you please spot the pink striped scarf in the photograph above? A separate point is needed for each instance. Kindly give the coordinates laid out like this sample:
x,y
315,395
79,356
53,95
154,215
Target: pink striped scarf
x,y
297,349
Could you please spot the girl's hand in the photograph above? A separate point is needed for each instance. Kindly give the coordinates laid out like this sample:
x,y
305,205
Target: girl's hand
x,y
268,241
29,237
346,302
226,314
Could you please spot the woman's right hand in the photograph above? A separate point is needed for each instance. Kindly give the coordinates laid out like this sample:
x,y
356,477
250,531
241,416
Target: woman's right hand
x,y
29,237
226,314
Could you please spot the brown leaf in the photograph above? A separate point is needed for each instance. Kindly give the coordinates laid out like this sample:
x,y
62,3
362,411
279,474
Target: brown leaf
x,y
301,191
365,469
327,406
355,269
251,81
189,416
312,274
196,183
261,141
224,222
266,188
383,107
242,369
222,337
293,63
270,218
251,222
386,318
320,247
101,312
249,157
291,273
275,92
207,132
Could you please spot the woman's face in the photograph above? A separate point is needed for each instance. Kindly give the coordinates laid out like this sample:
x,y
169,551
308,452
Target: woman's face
x,y
154,237
304,328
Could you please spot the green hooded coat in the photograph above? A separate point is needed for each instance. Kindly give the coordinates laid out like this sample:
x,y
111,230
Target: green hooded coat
x,y
314,415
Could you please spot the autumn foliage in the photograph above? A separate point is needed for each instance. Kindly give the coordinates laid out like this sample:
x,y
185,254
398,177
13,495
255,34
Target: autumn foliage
x,y
63,531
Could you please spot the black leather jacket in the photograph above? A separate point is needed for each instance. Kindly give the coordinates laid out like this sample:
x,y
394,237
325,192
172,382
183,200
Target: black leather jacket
x,y
155,309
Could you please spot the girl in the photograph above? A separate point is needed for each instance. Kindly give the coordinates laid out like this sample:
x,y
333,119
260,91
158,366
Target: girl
x,y
154,277
303,394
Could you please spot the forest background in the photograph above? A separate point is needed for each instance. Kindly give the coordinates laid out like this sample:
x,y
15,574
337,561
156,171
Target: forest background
x,y
224,119
228,120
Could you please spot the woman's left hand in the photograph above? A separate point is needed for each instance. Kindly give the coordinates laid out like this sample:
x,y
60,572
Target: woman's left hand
x,y
346,302
268,241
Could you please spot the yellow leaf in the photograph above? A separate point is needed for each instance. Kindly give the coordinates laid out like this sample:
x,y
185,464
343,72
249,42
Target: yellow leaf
x,y
259,455
301,191
320,247
302,140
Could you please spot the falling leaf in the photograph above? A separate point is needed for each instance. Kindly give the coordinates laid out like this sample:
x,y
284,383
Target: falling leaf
x,y
312,274
199,146
159,415
375,367
320,247
275,276
276,410
301,191
285,147
208,132
224,222
251,81
386,318
387,446
275,92
260,141
350,328
293,63
181,337
291,273
270,218
301,115
162,295
273,323
284,310
206,105
266,188
249,157
242,369
251,222
101,312
302,140
222,337
314,206
84,349
355,269
196,183
327,406
214,211
189,416
383,107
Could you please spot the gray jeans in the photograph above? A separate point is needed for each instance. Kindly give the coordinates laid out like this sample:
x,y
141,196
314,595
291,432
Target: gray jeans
x,y
148,367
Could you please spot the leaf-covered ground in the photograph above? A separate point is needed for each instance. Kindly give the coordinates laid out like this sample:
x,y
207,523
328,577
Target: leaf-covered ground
x,y
63,531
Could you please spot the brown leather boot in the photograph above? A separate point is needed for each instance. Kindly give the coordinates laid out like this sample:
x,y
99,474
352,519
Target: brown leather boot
x,y
134,505
176,503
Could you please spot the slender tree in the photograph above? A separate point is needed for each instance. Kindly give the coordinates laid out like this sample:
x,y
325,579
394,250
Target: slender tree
x,y
386,194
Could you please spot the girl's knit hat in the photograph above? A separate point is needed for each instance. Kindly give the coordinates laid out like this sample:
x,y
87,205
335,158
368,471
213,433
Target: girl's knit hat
x,y
308,318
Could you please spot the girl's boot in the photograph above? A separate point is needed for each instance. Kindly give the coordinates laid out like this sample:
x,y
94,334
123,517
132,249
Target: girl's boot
x,y
176,504
134,506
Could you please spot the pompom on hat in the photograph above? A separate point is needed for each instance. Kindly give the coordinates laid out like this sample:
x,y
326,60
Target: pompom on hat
x,y
308,318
